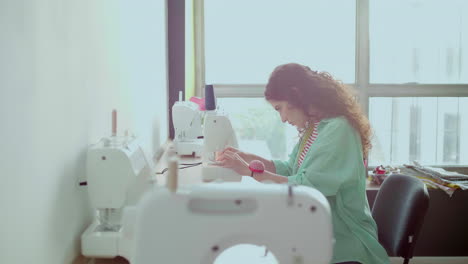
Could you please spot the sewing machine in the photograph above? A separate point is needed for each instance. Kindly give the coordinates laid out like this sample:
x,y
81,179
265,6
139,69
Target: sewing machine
x,y
196,224
219,134
118,173
187,120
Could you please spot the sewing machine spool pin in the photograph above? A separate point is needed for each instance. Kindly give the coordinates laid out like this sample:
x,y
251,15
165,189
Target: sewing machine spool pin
x,y
114,123
290,195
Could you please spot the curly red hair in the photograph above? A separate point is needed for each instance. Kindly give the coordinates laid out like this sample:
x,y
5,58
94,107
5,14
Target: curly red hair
x,y
302,87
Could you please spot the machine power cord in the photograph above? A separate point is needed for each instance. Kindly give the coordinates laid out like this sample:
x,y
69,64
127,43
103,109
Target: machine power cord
x,y
185,165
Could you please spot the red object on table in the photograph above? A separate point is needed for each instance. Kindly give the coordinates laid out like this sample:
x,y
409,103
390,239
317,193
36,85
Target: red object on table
x,y
380,170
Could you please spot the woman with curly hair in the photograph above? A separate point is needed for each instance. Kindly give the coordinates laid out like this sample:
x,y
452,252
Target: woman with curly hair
x,y
330,155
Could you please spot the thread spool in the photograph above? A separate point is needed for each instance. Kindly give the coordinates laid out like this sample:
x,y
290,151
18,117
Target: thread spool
x,y
210,103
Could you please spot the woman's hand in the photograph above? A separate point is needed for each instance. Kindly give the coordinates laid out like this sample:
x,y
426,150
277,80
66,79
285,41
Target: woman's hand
x,y
220,155
229,158
247,157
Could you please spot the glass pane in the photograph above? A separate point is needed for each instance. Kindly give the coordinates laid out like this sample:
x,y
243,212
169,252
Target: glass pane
x,y
245,39
426,129
418,41
259,128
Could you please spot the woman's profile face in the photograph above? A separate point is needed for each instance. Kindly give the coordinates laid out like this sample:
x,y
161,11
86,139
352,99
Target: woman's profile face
x,y
289,113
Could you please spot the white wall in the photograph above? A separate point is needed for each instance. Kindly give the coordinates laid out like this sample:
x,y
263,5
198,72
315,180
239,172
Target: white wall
x,y
64,65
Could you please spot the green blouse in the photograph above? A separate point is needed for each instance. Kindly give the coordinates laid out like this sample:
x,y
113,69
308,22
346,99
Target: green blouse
x,y
334,166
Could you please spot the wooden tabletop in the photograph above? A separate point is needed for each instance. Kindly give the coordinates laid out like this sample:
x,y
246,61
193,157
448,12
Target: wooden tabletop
x,y
84,260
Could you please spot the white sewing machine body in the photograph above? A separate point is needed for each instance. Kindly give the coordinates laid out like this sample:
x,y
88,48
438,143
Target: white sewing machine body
x,y
187,120
118,174
219,134
195,225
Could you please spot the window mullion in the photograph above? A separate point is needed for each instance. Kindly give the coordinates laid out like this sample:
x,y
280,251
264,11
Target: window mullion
x,y
239,90
199,32
362,52
418,90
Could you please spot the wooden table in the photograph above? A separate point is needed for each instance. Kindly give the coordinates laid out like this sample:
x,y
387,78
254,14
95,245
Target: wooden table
x,y
84,260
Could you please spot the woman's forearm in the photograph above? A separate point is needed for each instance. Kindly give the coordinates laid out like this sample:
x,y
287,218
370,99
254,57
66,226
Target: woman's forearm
x,y
269,166
269,176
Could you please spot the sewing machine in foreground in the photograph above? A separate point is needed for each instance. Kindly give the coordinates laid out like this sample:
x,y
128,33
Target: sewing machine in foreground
x,y
195,225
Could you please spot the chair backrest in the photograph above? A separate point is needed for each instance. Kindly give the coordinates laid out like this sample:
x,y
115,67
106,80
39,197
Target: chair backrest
x,y
399,210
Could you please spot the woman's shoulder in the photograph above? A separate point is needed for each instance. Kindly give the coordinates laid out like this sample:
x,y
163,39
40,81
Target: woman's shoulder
x,y
337,129
339,122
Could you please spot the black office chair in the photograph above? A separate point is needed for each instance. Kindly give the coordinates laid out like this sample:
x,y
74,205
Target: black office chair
x,y
399,210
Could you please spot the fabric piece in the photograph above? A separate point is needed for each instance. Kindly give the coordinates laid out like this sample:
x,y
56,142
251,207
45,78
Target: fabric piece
x,y
437,178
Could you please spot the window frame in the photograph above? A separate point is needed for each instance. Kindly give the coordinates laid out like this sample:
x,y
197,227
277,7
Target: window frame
x,y
364,88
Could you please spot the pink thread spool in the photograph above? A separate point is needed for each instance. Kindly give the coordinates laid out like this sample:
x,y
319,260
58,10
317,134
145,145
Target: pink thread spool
x,y
256,166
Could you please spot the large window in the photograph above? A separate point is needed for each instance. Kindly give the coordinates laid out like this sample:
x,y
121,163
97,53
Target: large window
x,y
245,39
408,60
426,129
418,41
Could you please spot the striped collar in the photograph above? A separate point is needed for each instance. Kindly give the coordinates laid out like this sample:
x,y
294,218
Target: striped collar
x,y
308,138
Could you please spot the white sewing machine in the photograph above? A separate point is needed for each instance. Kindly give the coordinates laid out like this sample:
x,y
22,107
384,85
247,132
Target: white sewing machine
x,y
195,225
219,134
187,120
118,173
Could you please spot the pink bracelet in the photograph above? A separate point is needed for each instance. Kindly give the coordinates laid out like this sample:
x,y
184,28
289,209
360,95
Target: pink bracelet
x,y
256,166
